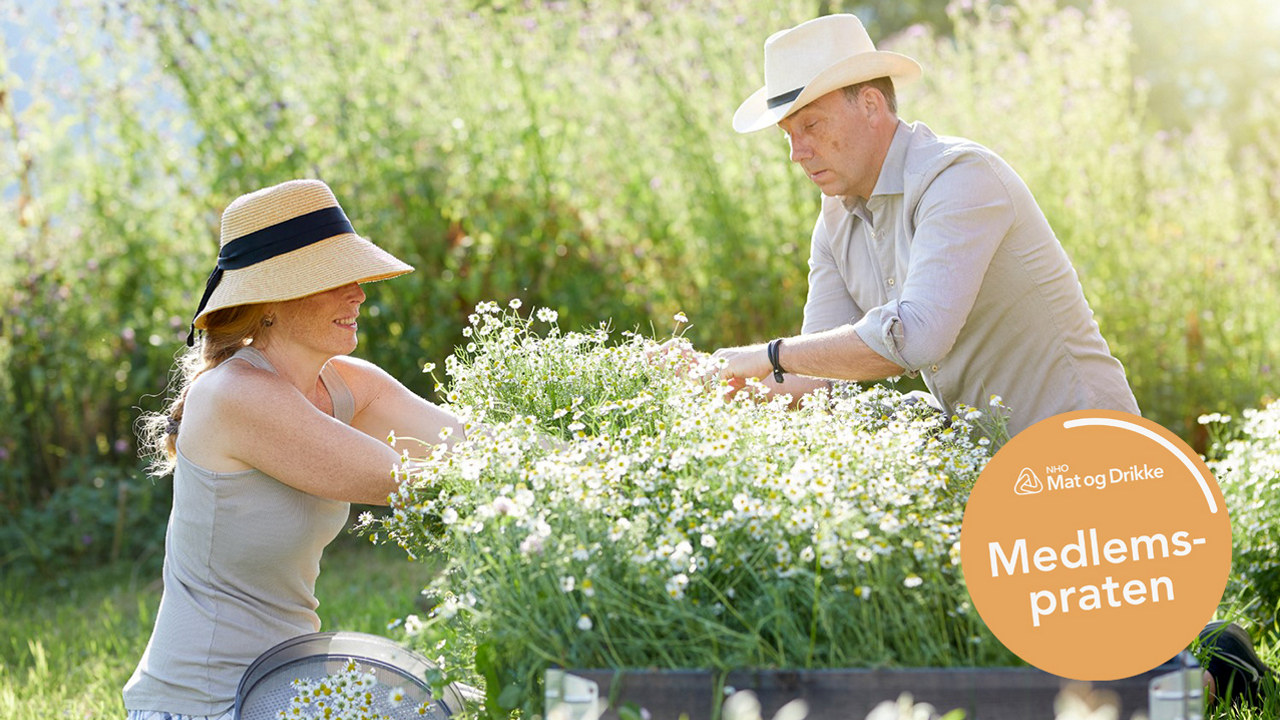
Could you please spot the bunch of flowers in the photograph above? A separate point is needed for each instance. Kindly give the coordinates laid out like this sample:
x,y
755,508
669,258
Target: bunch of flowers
x,y
1247,465
349,694
613,508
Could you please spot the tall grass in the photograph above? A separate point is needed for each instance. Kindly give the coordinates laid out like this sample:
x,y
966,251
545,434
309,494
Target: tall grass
x,y
67,651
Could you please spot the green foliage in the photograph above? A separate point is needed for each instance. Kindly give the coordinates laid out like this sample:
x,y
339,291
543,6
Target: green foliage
x,y
1196,57
107,516
93,278
1247,464
579,156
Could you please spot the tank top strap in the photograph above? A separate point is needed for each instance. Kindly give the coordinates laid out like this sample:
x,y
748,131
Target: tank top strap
x,y
344,403
254,357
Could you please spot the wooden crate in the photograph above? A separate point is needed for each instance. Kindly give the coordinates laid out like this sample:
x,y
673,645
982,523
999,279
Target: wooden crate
x,y
984,693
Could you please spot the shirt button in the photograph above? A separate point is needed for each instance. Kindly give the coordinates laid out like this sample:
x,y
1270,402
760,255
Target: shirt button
x,y
890,281
933,369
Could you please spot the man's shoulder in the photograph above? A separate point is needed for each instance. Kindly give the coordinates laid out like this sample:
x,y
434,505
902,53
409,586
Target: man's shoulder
x,y
928,153
945,163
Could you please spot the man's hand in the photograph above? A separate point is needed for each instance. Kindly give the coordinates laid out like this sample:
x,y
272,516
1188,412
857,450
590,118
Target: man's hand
x,y
678,354
740,363
737,365
752,361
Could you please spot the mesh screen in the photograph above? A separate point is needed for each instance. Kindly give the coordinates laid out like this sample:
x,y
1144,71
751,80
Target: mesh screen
x,y
274,691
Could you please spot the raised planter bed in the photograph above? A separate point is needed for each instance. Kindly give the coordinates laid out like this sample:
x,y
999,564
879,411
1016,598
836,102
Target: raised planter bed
x,y
983,693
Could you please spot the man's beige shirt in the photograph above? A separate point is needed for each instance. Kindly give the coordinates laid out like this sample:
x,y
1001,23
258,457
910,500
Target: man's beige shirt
x,y
951,270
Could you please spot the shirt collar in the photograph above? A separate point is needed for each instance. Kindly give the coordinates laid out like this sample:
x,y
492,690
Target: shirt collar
x,y
891,171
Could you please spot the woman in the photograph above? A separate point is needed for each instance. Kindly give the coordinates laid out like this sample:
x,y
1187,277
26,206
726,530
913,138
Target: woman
x,y
272,433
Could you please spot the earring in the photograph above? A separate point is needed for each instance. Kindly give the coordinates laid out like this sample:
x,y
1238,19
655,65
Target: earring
x,y
268,320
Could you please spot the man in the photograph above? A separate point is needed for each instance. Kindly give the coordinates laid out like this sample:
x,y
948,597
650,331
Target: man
x,y
929,256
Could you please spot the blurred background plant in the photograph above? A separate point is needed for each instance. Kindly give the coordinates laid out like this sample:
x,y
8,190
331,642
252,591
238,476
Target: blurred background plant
x,y
579,155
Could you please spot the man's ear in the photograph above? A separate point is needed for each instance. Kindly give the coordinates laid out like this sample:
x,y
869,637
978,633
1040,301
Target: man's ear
x,y
872,101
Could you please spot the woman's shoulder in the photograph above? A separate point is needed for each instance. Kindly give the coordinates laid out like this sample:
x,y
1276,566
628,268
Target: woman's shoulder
x,y
225,408
233,371
366,380
358,372
232,384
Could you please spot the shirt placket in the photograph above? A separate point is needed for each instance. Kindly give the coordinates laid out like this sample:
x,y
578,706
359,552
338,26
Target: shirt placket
x,y
880,236
866,234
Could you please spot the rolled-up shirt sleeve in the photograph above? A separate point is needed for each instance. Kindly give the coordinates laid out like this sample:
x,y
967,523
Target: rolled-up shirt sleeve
x,y
960,221
828,304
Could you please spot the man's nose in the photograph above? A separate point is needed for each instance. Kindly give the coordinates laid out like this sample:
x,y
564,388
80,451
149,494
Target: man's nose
x,y
799,150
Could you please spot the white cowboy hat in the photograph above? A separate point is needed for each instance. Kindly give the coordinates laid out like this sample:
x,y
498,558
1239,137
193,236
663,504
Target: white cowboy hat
x,y
286,242
803,63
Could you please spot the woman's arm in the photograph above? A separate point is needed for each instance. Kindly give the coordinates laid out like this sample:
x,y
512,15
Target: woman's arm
x,y
243,417
385,406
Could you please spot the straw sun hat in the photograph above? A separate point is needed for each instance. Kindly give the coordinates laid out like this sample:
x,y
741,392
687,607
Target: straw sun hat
x,y
285,242
803,63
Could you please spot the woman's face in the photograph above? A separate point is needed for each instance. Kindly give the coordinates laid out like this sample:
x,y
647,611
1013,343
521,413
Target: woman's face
x,y
324,322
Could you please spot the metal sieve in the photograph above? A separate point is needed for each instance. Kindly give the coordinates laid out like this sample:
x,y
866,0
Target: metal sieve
x,y
267,686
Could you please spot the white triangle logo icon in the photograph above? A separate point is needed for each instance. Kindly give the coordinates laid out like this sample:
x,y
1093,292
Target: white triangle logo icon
x,y
1028,483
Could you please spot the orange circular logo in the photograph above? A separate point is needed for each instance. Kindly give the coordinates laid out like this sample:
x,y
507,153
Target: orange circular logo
x,y
1096,545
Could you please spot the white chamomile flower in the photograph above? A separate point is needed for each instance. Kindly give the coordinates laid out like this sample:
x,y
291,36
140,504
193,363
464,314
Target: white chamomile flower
x,y
395,696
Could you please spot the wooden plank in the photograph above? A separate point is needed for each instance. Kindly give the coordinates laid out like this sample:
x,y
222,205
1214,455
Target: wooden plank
x,y
663,693
984,693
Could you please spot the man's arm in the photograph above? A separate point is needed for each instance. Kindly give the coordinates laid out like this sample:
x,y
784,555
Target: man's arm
x,y
837,354
961,219
827,334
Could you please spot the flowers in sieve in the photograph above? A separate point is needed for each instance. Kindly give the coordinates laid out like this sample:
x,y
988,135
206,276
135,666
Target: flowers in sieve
x,y
350,694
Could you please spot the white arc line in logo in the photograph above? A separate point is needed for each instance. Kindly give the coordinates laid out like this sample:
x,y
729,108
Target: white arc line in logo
x,y
1125,425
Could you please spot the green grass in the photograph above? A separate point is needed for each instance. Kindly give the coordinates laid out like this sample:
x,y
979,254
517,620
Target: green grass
x,y
1269,650
67,646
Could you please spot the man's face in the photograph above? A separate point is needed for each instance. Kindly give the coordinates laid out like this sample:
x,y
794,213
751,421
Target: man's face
x,y
839,142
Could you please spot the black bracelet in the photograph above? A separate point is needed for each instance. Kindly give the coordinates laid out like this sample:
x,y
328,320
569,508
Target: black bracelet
x,y
772,350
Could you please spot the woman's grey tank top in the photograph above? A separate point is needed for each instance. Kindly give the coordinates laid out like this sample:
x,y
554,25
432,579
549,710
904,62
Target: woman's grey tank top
x,y
242,552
